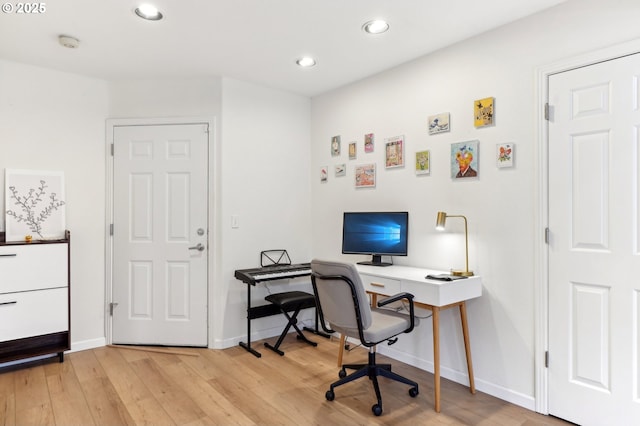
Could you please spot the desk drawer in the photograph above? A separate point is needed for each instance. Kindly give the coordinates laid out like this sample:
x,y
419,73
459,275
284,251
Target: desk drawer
x,y
33,267
380,285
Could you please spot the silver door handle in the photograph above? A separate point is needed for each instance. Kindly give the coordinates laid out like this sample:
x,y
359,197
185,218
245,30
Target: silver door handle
x,y
198,247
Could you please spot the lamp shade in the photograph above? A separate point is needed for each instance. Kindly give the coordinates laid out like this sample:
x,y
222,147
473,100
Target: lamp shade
x,y
441,220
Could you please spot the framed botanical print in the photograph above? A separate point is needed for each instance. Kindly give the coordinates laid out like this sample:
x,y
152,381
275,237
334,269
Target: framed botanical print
x,y
34,205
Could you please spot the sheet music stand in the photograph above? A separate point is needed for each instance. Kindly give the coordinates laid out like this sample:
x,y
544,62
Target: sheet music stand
x,y
274,257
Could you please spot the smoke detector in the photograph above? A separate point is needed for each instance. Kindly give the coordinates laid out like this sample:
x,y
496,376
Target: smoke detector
x,y
68,41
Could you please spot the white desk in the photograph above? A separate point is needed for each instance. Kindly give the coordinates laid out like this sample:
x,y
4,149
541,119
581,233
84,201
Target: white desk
x,y
430,294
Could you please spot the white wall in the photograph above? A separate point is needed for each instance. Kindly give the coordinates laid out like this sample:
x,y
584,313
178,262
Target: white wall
x,y
258,171
265,156
51,120
500,205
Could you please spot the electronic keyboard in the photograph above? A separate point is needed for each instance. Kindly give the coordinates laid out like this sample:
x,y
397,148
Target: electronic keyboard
x,y
273,272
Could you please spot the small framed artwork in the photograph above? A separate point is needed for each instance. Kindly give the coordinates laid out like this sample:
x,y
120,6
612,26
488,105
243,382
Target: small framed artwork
x,y
341,170
483,112
368,142
394,152
324,174
335,146
464,160
365,176
439,123
422,163
352,150
505,153
35,206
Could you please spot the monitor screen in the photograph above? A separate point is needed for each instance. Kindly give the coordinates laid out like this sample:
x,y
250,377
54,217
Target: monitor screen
x,y
375,233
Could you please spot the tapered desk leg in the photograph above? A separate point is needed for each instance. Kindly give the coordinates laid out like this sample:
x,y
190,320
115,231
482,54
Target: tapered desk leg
x,y
467,345
436,356
343,340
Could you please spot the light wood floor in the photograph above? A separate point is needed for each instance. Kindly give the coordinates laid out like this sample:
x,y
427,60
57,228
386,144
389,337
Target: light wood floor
x,y
115,386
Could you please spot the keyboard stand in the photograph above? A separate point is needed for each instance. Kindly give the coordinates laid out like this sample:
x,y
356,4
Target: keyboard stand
x,y
247,345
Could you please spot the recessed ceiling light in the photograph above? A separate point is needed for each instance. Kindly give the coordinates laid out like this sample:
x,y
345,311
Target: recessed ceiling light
x,y
306,62
148,12
377,26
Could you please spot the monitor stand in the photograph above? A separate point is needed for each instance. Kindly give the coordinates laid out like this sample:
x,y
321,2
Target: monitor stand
x,y
376,260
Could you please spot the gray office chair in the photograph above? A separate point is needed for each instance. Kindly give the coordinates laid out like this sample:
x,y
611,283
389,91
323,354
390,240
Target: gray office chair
x,y
342,302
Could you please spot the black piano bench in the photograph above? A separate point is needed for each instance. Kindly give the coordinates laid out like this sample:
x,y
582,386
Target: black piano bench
x,y
291,301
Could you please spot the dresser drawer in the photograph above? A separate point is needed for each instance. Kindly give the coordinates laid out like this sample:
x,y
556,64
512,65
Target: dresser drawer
x,y
33,266
33,313
386,286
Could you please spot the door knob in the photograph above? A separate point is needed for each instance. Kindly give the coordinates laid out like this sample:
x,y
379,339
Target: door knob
x,y
198,247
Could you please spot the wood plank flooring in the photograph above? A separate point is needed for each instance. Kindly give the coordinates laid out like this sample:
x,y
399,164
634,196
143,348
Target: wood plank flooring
x,y
117,386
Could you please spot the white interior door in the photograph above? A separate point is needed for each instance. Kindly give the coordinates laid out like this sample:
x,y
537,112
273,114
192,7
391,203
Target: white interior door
x,y
594,252
160,234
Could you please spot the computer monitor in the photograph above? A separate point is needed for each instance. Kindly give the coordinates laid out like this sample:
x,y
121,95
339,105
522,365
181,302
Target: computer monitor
x,y
375,233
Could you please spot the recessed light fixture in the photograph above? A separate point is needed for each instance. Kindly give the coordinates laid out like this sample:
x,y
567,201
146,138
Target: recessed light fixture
x,y
68,41
148,12
306,62
377,26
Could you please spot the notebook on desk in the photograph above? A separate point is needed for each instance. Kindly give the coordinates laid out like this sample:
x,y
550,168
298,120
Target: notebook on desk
x,y
444,277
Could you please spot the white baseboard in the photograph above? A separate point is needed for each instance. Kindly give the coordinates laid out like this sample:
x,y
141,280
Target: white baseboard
x,y
88,344
509,395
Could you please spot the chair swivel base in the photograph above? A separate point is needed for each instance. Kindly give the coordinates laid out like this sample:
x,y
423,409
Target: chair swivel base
x,y
371,370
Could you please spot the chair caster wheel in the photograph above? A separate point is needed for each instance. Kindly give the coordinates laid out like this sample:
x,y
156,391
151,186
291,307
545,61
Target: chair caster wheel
x,y
413,392
377,409
342,374
330,395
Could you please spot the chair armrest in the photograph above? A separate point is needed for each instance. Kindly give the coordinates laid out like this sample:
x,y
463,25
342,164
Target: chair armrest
x,y
397,297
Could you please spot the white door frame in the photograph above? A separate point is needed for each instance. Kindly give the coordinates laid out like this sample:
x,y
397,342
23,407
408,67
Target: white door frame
x,y
211,206
541,191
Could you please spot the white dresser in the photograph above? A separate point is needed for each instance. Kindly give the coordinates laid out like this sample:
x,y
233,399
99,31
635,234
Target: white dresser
x,y
34,299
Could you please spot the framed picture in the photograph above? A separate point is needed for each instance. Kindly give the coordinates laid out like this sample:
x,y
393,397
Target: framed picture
x,y
324,174
394,152
464,160
34,203
483,112
365,176
422,163
335,146
341,170
368,142
352,150
505,153
439,123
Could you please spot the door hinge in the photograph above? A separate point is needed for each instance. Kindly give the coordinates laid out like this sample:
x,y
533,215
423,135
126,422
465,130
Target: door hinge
x,y
112,305
546,235
112,149
111,229
206,128
546,359
546,111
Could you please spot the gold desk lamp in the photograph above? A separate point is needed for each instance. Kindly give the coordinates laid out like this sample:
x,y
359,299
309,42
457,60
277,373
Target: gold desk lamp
x,y
440,222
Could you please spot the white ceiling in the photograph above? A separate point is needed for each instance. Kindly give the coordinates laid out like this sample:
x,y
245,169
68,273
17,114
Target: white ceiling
x,y
251,40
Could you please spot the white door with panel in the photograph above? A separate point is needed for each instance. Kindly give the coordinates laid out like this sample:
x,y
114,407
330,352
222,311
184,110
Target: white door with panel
x,y
594,246
160,234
